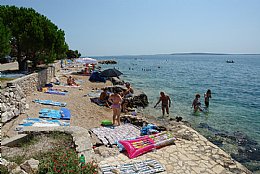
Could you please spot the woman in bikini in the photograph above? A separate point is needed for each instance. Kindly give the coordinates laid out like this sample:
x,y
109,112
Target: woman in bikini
x,y
116,101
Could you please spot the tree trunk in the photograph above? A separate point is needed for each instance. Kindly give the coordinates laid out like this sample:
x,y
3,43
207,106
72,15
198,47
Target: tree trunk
x,y
23,66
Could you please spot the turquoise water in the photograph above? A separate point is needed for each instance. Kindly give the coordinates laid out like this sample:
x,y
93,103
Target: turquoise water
x,y
235,102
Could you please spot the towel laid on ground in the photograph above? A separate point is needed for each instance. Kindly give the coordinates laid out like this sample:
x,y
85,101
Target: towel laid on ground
x,y
39,122
142,167
97,101
63,113
52,91
50,102
94,93
111,134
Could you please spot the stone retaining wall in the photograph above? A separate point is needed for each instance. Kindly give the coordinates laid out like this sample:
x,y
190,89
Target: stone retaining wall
x,y
12,102
13,96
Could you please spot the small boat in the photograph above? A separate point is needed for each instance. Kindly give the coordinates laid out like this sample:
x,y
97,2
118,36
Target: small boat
x,y
230,61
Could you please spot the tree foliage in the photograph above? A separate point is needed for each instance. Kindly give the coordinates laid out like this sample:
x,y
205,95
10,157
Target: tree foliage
x,y
33,36
5,36
73,54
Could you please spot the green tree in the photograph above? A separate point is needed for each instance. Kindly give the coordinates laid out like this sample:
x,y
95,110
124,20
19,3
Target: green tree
x,y
5,37
73,54
33,36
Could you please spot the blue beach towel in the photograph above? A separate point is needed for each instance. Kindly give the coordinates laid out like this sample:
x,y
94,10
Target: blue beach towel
x,y
63,114
56,92
50,102
39,122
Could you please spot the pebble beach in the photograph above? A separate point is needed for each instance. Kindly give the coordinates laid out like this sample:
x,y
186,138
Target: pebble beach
x,y
191,153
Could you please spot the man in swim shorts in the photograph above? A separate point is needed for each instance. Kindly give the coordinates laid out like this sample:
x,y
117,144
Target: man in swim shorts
x,y
116,101
166,103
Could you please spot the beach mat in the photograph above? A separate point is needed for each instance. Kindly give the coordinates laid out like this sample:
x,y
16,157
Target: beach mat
x,y
143,167
109,135
50,102
51,91
63,113
97,101
39,122
94,93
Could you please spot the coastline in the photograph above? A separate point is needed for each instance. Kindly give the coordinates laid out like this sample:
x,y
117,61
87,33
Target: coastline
x,y
191,152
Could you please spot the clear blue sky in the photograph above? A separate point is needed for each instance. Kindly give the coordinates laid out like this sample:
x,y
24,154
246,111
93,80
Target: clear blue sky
x,y
134,27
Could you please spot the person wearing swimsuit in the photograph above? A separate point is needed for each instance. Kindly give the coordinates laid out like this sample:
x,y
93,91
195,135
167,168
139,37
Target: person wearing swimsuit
x,y
196,103
166,103
116,101
207,95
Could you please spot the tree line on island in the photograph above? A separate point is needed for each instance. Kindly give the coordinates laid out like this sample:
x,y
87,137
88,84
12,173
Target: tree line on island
x,y
29,36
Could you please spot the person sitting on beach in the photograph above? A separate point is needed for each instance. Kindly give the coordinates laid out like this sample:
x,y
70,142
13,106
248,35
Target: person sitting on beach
x,y
116,101
55,80
71,81
129,91
166,103
207,95
104,96
196,103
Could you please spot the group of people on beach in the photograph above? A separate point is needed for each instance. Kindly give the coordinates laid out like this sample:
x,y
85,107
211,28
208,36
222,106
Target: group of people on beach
x,y
196,104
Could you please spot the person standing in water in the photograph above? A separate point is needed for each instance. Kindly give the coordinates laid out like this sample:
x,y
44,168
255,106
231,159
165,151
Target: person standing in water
x,y
207,95
196,103
166,103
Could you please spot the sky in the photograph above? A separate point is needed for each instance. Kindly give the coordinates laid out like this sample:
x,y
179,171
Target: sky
x,y
146,27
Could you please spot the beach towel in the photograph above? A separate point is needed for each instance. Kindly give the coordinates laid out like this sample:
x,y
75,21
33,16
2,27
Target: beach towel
x,y
94,94
50,102
142,167
52,91
39,122
109,135
69,86
97,101
63,113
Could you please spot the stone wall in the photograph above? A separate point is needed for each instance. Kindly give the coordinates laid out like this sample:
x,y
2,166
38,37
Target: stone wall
x,y
13,96
12,102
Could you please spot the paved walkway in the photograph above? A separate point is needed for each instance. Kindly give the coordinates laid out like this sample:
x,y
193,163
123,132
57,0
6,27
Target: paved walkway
x,y
196,155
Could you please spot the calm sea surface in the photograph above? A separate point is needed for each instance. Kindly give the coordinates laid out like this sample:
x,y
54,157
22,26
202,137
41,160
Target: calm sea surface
x,y
235,103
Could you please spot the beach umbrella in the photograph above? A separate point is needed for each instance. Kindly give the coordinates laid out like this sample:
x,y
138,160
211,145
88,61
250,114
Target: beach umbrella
x,y
111,73
87,60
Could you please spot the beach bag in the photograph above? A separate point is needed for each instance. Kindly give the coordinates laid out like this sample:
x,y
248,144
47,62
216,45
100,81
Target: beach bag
x,y
106,123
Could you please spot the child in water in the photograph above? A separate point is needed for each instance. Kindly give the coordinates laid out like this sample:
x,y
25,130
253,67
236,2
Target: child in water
x,y
196,103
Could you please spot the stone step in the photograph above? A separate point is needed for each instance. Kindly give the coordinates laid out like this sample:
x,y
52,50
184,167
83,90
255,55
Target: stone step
x,y
14,140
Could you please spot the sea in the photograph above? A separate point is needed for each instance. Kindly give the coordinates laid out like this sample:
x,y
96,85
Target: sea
x,y
232,120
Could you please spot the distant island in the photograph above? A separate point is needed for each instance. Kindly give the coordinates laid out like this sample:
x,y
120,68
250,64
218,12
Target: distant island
x,y
212,54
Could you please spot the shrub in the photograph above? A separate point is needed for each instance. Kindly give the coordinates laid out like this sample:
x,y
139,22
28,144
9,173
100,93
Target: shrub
x,y
65,160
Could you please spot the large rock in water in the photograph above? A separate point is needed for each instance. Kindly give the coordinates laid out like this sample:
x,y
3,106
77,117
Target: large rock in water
x,y
140,100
